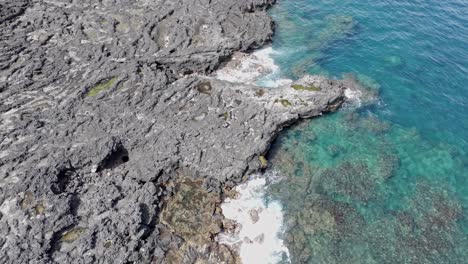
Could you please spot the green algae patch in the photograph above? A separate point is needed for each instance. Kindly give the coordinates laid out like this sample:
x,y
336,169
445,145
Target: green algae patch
x,y
102,86
73,234
284,102
225,116
39,208
263,161
310,88
27,201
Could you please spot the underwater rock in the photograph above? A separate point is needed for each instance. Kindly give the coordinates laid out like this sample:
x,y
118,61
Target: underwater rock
x,y
337,27
393,61
319,224
348,179
337,207
333,150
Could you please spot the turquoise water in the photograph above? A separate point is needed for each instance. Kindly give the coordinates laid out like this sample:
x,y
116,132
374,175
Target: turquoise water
x,y
386,182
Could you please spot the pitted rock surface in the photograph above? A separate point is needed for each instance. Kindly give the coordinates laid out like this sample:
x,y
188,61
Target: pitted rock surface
x,y
104,103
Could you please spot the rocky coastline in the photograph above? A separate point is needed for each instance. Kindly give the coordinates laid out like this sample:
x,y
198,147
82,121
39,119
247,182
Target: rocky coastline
x,y
117,141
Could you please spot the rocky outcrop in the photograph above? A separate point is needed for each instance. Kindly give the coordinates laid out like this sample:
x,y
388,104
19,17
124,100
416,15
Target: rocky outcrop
x,y
105,104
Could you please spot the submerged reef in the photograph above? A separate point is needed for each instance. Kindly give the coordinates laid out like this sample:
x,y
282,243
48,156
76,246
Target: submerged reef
x,y
336,28
345,202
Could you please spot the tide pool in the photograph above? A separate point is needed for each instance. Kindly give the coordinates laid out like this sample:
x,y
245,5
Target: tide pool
x,y
385,182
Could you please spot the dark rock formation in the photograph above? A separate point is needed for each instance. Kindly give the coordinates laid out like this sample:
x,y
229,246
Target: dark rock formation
x,y
103,103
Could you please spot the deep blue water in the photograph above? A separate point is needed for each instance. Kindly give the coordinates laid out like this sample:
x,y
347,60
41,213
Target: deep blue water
x,y
387,182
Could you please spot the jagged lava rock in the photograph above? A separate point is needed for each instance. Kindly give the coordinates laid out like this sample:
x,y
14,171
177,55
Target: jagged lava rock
x,y
104,103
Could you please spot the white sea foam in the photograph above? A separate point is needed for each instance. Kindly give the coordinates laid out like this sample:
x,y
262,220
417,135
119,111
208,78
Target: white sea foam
x,y
257,68
257,240
353,96
271,81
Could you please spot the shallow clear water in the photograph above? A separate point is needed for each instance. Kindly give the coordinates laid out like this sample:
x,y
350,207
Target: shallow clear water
x,y
386,182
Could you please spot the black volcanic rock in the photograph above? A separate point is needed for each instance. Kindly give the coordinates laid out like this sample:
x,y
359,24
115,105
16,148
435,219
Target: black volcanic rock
x,y
103,103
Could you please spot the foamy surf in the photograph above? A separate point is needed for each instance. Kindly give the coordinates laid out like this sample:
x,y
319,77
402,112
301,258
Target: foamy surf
x,y
257,237
257,68
353,96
